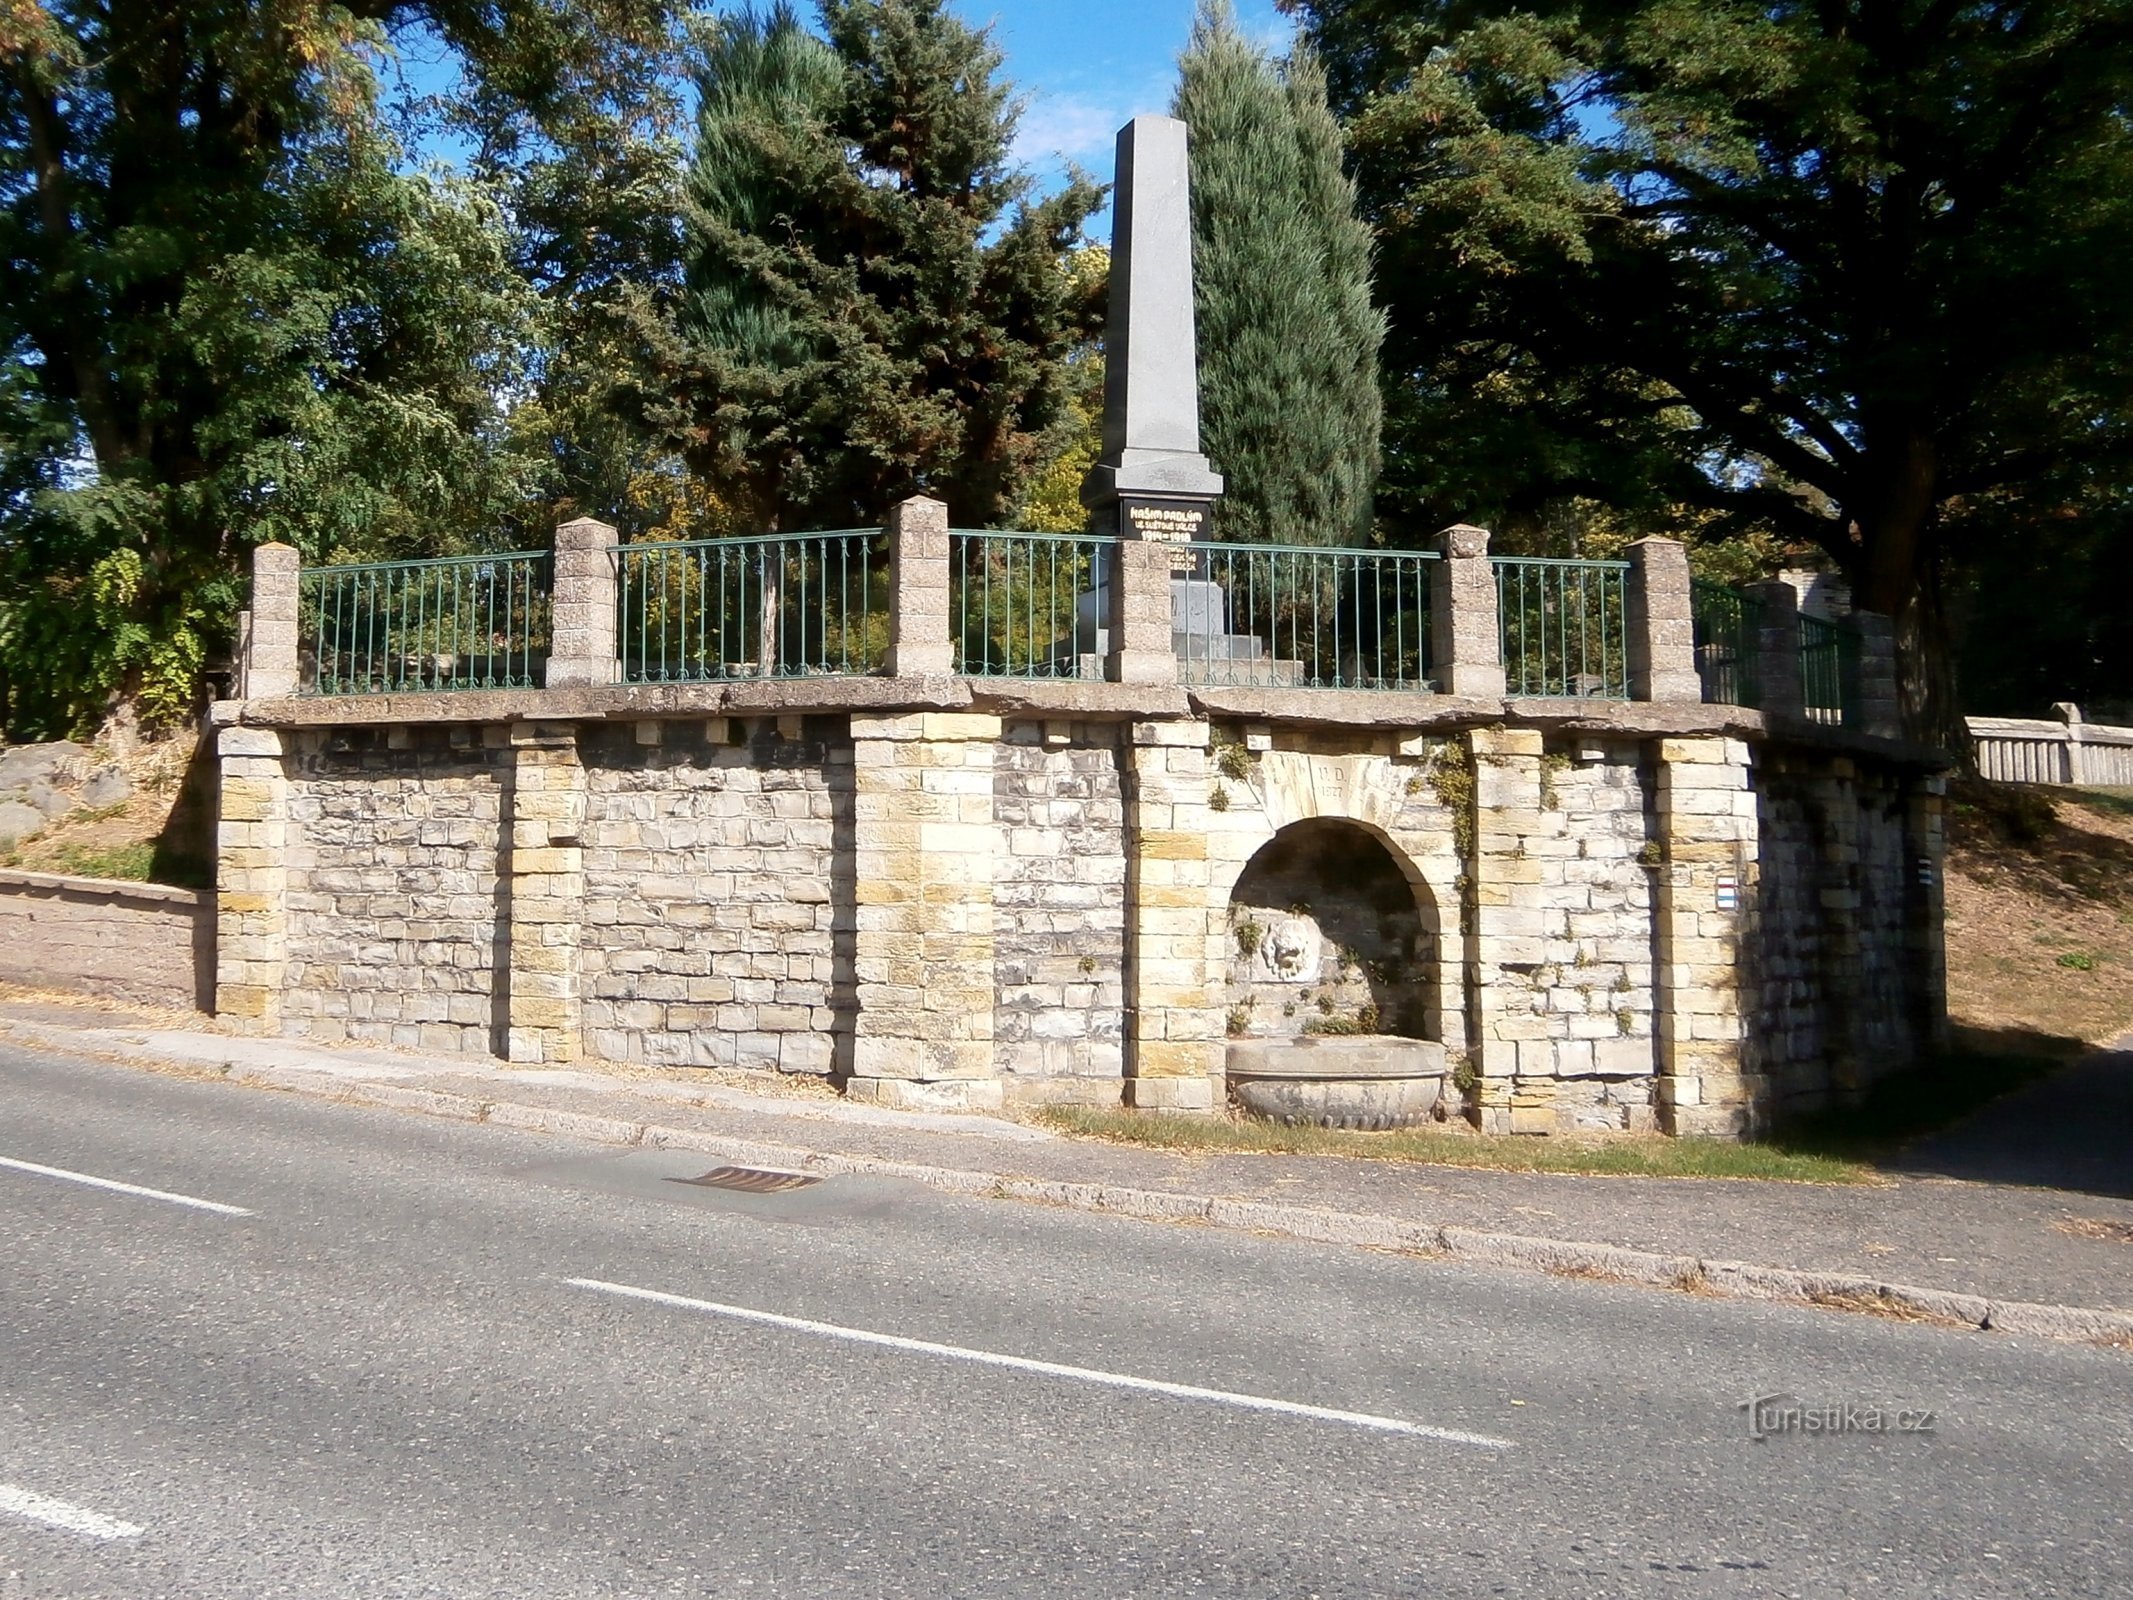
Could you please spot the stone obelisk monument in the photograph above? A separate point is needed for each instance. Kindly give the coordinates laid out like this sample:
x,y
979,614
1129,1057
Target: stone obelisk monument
x,y
1151,482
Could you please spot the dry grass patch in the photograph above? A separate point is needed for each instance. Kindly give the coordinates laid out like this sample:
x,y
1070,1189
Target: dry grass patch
x,y
2105,1228
2040,913
1878,1303
134,841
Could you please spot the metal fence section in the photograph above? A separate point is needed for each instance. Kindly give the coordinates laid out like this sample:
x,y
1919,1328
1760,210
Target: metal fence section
x,y
763,606
462,622
1562,626
1727,628
1829,671
1302,616
1029,605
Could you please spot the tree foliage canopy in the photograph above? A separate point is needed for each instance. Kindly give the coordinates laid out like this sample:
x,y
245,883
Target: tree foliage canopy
x,y
231,310
1846,271
875,304
1288,336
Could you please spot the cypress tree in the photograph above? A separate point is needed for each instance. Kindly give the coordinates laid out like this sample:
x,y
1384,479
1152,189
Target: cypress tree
x,y
875,304
1289,402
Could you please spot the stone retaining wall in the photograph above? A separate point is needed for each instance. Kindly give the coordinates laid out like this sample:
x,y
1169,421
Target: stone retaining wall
x,y
1058,812
718,905
395,917
140,942
1605,929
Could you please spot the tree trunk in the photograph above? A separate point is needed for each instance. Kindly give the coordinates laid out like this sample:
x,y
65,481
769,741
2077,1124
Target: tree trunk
x,y
1926,673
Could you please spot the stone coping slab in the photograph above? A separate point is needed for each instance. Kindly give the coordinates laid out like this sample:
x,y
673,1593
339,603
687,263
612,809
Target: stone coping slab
x,y
15,878
1082,700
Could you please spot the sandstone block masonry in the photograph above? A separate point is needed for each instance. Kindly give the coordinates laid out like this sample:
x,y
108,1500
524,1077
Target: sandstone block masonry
x,y
1622,929
960,892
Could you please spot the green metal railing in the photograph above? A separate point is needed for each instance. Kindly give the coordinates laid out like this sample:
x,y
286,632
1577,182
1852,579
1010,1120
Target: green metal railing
x,y
1028,605
1727,627
1829,671
1307,616
764,606
463,622
1562,626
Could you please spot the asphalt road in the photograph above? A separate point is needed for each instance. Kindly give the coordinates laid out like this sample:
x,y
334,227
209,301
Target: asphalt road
x,y
395,1373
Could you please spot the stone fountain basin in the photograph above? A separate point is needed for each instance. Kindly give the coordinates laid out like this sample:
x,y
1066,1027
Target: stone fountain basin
x,y
1368,1081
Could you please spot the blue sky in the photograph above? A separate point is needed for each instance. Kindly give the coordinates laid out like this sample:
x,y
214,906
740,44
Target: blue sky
x,y
1082,67
1086,66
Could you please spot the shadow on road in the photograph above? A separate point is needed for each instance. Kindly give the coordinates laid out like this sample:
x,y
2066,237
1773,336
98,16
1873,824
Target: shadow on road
x,y
2071,1130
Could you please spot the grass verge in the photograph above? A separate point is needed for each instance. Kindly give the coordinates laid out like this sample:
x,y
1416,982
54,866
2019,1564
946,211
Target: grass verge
x,y
1616,1155
1841,1145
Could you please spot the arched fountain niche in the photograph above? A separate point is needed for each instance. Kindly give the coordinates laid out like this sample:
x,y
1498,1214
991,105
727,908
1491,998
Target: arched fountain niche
x,y
1333,989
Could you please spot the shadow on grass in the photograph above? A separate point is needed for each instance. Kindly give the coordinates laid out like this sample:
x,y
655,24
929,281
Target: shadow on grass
x,y
1985,1066
2011,1107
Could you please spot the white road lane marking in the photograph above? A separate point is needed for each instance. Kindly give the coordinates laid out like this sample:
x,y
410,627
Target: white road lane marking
x,y
1049,1369
124,1188
59,1514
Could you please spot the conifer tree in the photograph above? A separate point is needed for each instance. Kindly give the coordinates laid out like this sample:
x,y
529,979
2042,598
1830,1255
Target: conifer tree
x,y
875,305
1289,404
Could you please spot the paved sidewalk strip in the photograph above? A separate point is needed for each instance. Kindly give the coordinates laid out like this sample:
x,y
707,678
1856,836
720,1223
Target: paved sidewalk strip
x,y
2020,1259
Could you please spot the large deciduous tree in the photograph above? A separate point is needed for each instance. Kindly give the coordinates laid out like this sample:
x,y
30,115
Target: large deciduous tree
x,y
1847,270
1289,403
231,310
875,305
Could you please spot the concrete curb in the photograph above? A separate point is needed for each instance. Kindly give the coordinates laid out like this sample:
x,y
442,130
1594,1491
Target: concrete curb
x,y
1738,1280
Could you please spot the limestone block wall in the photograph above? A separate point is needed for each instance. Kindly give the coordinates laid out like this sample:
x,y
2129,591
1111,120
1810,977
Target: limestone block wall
x,y
718,898
1835,984
1581,1002
394,924
142,942
1607,929
1059,912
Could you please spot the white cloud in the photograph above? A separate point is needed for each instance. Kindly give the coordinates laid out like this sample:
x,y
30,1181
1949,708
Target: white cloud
x,y
1065,127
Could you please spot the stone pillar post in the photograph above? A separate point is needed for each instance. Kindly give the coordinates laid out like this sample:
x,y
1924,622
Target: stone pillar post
x,y
1925,833
582,646
1509,938
1660,624
272,667
546,872
923,848
251,879
1777,648
1175,1041
1142,650
919,641
1706,823
1880,709
1466,647
2077,766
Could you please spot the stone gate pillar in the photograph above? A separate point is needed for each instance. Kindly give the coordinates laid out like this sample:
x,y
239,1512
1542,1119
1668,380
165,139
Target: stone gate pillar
x,y
1508,942
923,853
920,641
546,871
1175,1040
1466,640
251,879
273,662
1659,623
1706,884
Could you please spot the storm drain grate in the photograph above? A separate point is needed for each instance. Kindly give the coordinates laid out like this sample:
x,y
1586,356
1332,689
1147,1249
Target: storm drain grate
x,y
751,1180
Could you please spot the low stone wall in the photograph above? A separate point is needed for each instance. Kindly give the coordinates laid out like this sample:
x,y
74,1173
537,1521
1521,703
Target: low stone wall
x,y
141,942
1610,918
